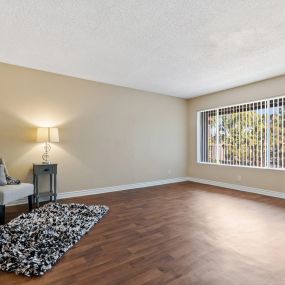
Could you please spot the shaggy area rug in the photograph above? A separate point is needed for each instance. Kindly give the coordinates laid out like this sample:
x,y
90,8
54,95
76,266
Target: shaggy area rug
x,y
32,243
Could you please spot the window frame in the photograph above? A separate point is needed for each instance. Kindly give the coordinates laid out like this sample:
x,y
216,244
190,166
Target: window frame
x,y
216,109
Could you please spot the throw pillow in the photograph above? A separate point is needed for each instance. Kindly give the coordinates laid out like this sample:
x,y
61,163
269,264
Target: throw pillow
x,y
2,161
3,180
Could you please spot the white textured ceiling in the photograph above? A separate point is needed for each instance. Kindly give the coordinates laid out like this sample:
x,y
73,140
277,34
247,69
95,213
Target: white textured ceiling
x,y
174,47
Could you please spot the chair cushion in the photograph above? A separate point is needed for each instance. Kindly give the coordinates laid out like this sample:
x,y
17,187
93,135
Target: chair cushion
x,y
10,193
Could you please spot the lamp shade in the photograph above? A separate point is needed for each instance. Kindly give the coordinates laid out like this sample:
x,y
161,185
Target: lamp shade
x,y
47,135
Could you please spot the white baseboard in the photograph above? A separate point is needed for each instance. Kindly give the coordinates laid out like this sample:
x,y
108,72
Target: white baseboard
x,y
239,187
87,192
101,190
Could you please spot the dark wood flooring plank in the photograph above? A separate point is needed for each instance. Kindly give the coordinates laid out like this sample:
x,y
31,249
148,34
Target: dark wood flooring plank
x,y
183,233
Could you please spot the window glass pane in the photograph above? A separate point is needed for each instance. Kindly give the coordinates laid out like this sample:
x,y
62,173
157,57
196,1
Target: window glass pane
x,y
250,134
276,121
241,134
208,136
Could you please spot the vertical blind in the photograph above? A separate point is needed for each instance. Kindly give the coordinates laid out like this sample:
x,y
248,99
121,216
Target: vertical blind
x,y
250,134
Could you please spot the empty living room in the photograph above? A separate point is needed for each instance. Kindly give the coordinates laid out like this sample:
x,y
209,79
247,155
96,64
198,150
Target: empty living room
x,y
142,142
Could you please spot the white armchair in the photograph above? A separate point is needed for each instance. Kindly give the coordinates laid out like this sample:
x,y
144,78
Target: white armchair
x,y
10,193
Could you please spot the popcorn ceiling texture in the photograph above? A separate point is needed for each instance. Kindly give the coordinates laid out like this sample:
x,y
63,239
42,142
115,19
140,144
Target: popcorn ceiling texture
x,y
182,48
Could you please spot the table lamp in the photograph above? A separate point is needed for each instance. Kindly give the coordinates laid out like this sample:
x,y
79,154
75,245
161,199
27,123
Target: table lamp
x,y
47,136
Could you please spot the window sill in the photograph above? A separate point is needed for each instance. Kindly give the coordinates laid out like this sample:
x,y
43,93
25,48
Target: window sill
x,y
242,166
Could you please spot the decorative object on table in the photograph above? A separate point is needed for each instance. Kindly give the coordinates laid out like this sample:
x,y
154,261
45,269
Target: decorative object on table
x,y
44,169
12,190
44,235
47,136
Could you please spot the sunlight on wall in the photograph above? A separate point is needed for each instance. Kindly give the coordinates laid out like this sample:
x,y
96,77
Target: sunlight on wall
x,y
18,143
44,114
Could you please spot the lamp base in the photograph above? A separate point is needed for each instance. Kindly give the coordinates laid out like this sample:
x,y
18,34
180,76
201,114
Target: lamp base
x,y
46,162
45,156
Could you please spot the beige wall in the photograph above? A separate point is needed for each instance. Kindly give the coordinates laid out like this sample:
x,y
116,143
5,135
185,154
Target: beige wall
x,y
113,135
261,178
109,135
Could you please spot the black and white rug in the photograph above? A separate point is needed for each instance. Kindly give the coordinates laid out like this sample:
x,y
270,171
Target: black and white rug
x,y
32,243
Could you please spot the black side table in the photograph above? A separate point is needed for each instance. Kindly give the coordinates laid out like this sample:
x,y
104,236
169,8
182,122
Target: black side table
x,y
41,169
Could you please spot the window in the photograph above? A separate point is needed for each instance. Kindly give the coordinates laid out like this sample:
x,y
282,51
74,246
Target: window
x,y
250,134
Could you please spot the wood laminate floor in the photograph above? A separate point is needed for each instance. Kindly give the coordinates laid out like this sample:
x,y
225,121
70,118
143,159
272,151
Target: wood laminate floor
x,y
184,233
